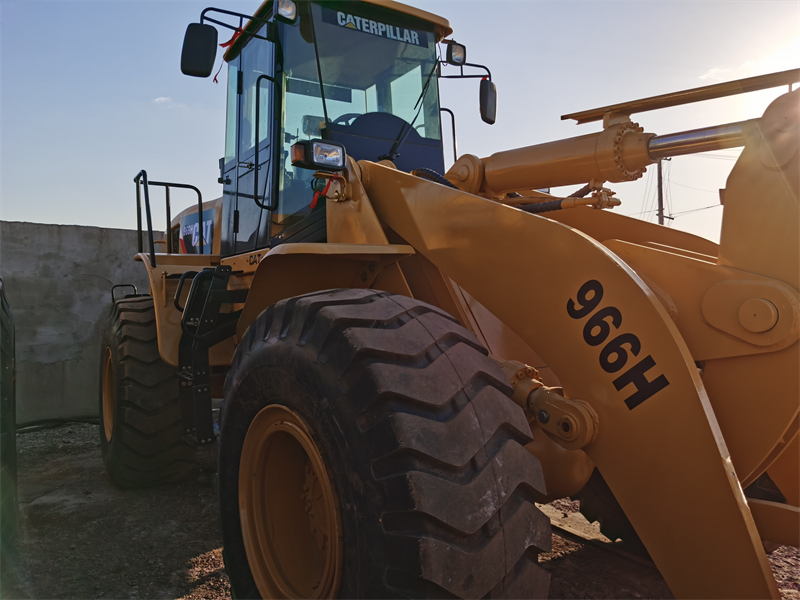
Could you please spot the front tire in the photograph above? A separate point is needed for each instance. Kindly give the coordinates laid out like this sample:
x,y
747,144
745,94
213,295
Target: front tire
x,y
368,449
140,412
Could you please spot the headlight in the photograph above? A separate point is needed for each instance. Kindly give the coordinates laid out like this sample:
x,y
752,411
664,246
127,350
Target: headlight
x,y
316,154
287,9
456,53
327,155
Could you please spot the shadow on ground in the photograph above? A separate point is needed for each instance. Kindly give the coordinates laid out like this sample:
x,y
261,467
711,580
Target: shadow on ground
x,y
80,537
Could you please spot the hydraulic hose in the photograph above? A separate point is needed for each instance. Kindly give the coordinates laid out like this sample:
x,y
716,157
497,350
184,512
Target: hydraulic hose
x,y
581,192
541,206
432,175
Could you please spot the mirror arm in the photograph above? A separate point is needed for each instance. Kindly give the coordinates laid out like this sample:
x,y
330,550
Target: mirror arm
x,y
270,26
488,72
462,76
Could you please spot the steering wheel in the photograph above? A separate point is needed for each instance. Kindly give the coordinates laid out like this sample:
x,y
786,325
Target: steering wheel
x,y
345,119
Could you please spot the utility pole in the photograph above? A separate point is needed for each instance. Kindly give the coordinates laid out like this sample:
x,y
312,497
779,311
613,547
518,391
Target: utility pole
x,y
660,196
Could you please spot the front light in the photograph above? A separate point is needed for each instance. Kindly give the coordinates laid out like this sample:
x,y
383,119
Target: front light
x,y
318,155
327,155
287,9
456,54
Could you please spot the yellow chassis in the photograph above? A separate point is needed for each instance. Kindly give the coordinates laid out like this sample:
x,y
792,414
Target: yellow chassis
x,y
706,399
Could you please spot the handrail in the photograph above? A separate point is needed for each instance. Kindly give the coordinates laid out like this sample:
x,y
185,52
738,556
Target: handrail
x,y
142,175
141,178
179,289
273,204
192,291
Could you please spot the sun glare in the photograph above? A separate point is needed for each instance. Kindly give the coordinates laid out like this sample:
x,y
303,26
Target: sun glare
x,y
785,55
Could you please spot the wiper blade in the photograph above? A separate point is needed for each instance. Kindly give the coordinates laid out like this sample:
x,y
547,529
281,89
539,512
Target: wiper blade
x,y
404,131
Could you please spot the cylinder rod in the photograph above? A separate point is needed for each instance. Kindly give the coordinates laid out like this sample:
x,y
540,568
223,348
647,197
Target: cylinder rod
x,y
720,137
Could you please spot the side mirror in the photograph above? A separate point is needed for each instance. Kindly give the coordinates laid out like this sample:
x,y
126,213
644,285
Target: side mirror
x,y
199,50
488,101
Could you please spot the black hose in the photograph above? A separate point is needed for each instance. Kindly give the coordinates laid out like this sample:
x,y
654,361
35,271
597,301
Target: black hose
x,y
581,192
554,204
432,175
541,206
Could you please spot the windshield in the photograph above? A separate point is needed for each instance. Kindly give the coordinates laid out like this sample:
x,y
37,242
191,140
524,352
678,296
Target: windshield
x,y
374,65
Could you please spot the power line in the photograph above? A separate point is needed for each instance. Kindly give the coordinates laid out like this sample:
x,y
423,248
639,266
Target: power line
x,y
686,212
644,212
646,198
695,188
667,189
660,193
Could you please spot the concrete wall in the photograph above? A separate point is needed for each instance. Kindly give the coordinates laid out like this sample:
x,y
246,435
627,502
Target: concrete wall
x,y
58,280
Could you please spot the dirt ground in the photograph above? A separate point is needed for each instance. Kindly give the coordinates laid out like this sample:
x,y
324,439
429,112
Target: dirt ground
x,y
80,537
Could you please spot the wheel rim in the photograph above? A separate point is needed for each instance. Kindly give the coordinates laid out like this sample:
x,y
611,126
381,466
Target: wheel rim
x,y
288,509
108,395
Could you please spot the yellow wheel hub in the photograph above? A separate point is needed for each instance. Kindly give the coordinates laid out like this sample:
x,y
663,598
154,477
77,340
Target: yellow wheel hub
x,y
108,394
288,509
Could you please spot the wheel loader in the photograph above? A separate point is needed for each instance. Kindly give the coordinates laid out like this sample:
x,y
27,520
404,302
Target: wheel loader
x,y
410,360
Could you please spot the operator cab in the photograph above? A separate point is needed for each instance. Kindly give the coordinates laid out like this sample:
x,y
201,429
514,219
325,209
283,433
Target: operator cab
x,y
359,75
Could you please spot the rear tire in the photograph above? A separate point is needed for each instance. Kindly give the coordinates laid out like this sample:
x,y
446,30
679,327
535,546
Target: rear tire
x,y
433,490
140,412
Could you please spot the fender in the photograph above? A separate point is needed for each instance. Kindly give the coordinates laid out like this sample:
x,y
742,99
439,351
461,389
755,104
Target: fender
x,y
163,283
290,270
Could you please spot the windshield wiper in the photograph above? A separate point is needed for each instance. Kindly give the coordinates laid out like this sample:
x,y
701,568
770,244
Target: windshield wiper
x,y
404,131
319,68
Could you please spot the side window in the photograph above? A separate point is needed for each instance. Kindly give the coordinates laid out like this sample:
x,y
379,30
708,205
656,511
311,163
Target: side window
x,y
230,116
256,61
256,114
227,236
303,118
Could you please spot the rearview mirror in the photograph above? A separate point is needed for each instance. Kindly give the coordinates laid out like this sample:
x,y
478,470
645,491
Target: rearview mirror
x,y
488,101
199,50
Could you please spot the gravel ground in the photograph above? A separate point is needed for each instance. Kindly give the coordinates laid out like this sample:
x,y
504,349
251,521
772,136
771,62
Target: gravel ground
x,y
80,537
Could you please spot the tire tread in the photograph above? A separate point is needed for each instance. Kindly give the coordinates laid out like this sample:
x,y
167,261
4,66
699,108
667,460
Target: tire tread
x,y
146,447
431,413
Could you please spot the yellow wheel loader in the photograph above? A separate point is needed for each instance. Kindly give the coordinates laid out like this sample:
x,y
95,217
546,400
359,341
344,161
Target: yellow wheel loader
x,y
413,359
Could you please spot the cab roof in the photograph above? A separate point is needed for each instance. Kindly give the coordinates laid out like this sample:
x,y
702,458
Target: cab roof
x,y
441,25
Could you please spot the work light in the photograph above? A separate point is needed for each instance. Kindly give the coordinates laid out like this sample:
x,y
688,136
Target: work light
x,y
287,10
316,154
456,53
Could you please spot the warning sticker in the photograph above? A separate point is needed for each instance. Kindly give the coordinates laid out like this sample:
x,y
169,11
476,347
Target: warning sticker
x,y
384,30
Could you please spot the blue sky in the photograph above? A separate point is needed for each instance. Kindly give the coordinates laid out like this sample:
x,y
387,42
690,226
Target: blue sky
x,y
91,92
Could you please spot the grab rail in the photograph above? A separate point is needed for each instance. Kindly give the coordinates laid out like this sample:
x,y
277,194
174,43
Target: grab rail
x,y
141,178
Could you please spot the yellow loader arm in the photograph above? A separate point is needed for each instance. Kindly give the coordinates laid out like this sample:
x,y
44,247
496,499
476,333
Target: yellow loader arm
x,y
612,343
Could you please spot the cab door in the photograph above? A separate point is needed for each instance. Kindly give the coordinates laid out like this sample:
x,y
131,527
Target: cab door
x,y
250,178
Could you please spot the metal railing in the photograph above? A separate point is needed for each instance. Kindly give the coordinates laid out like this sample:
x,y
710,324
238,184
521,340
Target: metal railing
x,y
140,180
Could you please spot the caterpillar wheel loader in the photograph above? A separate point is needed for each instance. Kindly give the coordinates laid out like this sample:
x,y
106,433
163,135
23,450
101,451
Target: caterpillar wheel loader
x,y
411,360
